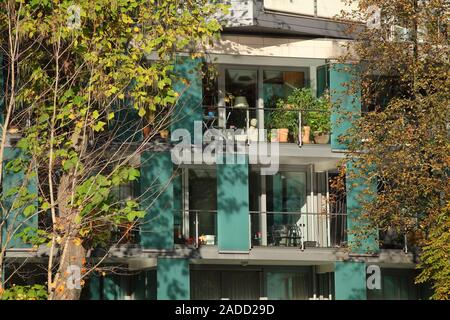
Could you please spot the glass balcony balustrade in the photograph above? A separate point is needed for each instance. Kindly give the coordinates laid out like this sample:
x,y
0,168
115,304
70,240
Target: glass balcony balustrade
x,y
200,229
287,125
298,229
283,229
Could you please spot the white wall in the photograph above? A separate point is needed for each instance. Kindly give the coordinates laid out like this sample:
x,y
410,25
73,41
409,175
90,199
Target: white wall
x,y
331,8
305,7
325,8
279,47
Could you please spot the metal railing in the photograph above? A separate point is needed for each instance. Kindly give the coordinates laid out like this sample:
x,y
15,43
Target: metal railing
x,y
298,229
289,229
280,125
198,228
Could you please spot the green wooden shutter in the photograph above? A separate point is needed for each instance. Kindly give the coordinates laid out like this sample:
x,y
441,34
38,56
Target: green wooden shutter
x,y
359,190
232,205
173,279
189,105
346,103
157,200
350,280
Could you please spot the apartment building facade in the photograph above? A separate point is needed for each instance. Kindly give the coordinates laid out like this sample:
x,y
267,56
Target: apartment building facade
x,y
227,227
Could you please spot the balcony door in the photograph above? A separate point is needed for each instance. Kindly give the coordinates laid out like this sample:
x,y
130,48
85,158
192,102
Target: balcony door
x,y
199,205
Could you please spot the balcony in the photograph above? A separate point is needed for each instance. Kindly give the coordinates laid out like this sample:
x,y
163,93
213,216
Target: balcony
x,y
298,229
290,17
283,125
283,229
200,229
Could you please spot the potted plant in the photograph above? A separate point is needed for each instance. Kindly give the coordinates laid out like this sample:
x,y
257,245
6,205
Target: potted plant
x,y
284,123
319,121
315,115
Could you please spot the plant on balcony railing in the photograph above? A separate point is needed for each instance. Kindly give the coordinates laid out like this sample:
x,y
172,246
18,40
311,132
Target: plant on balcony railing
x,y
283,123
315,114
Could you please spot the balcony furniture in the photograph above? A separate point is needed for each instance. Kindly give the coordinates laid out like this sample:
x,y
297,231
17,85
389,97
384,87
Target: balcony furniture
x,y
310,244
209,121
287,234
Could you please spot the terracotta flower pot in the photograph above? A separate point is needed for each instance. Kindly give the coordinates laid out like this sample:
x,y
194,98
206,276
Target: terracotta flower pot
x,y
321,138
283,134
306,132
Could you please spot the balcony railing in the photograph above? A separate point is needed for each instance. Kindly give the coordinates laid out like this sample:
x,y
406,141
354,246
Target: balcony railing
x,y
282,229
287,125
298,229
200,229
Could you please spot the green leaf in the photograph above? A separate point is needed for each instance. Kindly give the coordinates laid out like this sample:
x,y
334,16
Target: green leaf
x,y
99,126
29,210
95,114
45,206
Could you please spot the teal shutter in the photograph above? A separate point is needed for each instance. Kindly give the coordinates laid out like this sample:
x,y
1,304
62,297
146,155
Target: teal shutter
x,y
350,280
346,104
359,190
173,279
189,105
16,221
232,205
157,200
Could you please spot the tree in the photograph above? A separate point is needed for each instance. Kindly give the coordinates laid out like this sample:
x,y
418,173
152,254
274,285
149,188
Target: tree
x,y
74,73
401,140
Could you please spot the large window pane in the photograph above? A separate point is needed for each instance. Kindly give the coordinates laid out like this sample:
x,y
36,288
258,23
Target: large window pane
x,y
286,199
203,203
241,94
289,285
278,85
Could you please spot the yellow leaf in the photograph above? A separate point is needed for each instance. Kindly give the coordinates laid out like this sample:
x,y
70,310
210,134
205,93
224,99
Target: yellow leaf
x,y
77,242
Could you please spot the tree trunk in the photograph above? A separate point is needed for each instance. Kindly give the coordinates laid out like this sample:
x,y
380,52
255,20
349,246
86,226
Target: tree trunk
x,y
67,282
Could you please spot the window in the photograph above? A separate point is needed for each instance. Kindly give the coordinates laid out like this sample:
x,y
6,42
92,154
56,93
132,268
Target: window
x,y
203,204
241,92
235,97
279,84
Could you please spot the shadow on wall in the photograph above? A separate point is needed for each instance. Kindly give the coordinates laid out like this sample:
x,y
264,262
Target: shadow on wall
x,y
350,280
229,192
157,200
173,279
